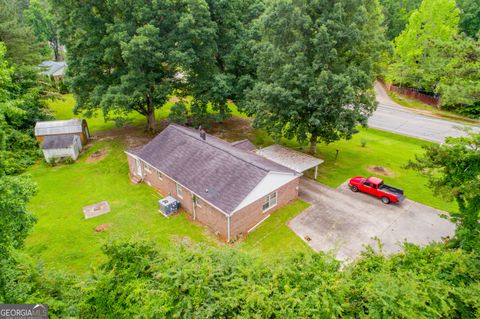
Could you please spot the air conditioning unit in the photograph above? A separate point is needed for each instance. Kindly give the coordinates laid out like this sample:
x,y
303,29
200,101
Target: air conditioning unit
x,y
168,205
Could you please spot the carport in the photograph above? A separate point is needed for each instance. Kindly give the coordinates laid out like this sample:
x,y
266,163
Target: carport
x,y
298,161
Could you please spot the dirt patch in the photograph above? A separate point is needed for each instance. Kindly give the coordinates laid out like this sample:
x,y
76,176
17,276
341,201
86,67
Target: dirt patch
x,y
102,228
233,129
130,135
97,156
380,170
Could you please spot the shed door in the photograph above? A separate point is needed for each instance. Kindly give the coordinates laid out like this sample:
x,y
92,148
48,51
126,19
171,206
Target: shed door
x,y
138,166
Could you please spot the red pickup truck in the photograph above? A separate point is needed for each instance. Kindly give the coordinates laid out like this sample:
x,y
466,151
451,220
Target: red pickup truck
x,y
375,186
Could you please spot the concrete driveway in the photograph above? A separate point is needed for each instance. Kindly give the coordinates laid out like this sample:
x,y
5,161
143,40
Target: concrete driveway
x,y
392,117
344,221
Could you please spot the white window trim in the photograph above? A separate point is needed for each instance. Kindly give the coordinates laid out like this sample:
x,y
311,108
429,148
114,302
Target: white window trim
x,y
160,175
179,186
147,167
272,206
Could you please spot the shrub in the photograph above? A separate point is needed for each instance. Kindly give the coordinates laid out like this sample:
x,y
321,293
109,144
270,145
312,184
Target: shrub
x,y
179,113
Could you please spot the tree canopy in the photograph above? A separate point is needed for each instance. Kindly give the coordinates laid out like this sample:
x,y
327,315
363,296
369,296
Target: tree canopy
x,y
23,48
397,13
233,68
470,17
39,18
124,57
453,170
316,68
433,56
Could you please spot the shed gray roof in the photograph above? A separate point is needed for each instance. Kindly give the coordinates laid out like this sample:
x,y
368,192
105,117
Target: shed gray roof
x,y
58,141
288,157
53,68
212,168
245,145
58,127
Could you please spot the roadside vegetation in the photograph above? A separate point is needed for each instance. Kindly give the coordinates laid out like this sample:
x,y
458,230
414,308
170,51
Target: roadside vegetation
x,y
438,51
429,110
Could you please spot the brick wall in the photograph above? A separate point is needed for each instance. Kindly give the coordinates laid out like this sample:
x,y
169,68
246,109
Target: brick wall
x,y
241,221
414,94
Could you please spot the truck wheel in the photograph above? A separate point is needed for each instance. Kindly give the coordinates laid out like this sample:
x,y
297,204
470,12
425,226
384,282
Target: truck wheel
x,y
354,189
385,200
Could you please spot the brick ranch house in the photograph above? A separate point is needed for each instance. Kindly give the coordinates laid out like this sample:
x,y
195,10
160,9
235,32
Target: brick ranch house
x,y
228,189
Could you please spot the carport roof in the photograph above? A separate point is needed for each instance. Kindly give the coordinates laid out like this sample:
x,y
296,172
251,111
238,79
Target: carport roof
x,y
298,161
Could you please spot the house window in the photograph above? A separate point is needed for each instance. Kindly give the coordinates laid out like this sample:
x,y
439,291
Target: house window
x,y
147,167
179,191
270,201
160,175
198,202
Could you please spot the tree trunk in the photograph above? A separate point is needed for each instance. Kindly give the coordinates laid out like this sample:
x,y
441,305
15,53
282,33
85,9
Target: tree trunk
x,y
56,48
151,123
313,144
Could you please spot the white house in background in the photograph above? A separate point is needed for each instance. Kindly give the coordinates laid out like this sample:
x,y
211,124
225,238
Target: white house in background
x,y
61,146
53,69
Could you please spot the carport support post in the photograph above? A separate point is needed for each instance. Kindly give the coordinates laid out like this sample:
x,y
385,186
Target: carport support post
x,y
228,228
316,171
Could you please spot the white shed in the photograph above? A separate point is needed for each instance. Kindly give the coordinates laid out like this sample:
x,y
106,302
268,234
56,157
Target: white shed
x,y
74,127
61,146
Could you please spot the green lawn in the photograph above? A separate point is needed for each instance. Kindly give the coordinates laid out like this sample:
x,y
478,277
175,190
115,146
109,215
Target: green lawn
x,y
273,238
63,110
63,239
388,150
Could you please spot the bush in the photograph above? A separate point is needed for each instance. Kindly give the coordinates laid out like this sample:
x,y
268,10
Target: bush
x,y
179,113
199,282
363,142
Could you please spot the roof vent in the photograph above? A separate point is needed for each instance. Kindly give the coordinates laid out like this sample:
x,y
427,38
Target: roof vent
x,y
203,135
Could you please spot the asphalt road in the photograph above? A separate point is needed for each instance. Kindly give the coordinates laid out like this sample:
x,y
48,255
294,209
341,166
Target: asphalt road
x,y
394,118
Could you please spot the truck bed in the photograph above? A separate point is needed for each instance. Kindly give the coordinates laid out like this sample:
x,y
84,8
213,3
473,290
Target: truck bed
x,y
391,190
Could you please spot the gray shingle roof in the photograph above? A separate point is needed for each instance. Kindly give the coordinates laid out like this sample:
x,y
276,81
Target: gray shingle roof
x,y
58,141
245,145
58,127
211,168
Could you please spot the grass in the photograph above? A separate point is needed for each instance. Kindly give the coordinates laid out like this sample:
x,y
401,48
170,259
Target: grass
x,y
62,239
62,109
273,237
429,110
388,150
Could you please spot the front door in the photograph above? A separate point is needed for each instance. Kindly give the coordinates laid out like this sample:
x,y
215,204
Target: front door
x,y
139,167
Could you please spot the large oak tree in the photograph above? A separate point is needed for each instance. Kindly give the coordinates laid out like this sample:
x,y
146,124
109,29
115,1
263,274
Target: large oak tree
x,y
123,55
316,68
233,68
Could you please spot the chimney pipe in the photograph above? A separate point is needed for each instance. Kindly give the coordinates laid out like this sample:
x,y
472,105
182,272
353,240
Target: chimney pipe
x,y
203,135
